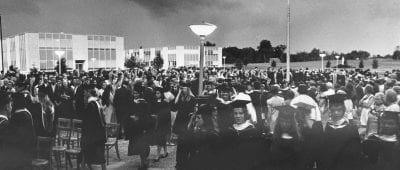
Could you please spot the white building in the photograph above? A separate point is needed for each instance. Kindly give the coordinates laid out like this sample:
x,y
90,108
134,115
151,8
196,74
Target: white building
x,y
178,56
82,52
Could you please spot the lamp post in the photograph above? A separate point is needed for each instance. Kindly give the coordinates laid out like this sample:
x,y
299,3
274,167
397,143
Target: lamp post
x,y
337,61
59,53
93,60
202,30
322,60
223,61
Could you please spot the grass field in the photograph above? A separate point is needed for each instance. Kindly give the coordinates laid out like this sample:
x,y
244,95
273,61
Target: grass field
x,y
383,64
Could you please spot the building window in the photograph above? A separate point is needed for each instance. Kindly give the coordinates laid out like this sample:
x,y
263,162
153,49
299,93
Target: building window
x,y
56,36
113,38
42,36
69,36
113,54
90,37
48,36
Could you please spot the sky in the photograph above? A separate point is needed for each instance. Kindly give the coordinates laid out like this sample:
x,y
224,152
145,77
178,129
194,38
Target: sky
x,y
330,25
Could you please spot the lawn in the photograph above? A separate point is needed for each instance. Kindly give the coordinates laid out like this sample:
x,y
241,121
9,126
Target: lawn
x,y
383,64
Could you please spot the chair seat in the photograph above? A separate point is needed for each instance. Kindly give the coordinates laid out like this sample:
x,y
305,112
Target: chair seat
x,y
59,148
73,151
111,141
40,162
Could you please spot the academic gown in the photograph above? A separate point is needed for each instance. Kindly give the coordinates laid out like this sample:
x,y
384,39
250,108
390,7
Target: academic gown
x,y
342,147
93,134
244,148
137,130
20,142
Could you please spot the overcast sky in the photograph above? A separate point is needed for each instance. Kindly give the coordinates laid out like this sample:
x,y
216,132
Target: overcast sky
x,y
333,25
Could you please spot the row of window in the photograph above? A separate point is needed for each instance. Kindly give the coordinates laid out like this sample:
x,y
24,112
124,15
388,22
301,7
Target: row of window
x,y
55,36
102,54
101,38
191,57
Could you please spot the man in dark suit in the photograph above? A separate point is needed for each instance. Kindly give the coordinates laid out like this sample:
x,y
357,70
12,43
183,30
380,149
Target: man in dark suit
x,y
123,98
79,97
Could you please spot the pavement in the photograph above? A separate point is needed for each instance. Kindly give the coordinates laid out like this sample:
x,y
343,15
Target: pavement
x,y
133,162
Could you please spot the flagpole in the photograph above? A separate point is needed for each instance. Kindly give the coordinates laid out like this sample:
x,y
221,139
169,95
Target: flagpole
x,y
288,43
1,42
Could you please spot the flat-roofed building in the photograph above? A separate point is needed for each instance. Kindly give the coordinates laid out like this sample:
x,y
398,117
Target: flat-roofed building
x,y
82,52
178,56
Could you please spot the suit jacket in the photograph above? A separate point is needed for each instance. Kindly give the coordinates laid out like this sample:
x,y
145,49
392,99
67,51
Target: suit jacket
x,y
122,101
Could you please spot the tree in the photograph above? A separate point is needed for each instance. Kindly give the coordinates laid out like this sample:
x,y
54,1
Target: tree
x,y
132,62
273,63
279,52
396,55
158,62
209,44
248,55
63,66
239,63
375,63
265,51
231,54
328,64
361,65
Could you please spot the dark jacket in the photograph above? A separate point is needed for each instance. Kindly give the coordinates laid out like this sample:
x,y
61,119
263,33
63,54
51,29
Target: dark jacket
x,y
122,102
93,125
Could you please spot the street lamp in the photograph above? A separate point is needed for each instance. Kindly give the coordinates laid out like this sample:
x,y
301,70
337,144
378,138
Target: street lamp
x,y
59,53
202,30
93,60
322,60
337,61
223,61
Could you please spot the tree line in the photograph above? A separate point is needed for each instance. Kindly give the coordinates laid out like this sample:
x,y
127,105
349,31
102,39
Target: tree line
x,y
265,51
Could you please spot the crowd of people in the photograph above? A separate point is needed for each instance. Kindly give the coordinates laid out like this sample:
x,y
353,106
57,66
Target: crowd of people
x,y
243,119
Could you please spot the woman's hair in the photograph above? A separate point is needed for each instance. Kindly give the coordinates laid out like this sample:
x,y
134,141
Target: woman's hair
x,y
19,101
105,98
292,131
369,89
390,96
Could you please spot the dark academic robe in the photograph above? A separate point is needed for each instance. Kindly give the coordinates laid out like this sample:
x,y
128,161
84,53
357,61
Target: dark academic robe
x,y
311,147
285,154
139,139
342,148
38,122
244,149
66,108
207,153
122,103
163,112
20,142
79,98
93,134
184,107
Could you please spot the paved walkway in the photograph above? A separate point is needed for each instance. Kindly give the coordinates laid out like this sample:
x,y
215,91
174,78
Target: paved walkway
x,y
133,162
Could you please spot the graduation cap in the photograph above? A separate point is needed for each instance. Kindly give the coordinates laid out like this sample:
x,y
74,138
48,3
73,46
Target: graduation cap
x,y
184,84
336,100
239,103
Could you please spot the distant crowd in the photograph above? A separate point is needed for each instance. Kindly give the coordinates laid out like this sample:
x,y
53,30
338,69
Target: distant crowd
x,y
243,119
